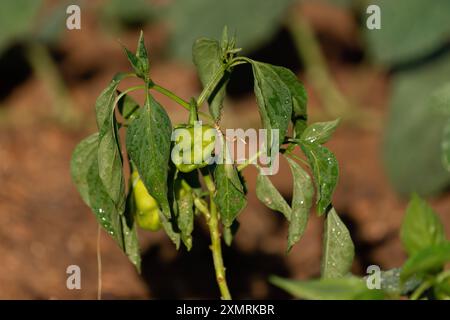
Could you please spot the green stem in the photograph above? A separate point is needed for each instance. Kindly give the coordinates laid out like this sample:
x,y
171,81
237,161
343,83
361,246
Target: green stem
x,y
128,90
171,95
333,100
421,289
216,248
242,166
204,95
47,71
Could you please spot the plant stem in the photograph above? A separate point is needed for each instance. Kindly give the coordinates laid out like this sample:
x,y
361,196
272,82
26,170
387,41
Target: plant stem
x,y
99,264
421,289
204,95
333,100
242,166
47,71
171,95
216,248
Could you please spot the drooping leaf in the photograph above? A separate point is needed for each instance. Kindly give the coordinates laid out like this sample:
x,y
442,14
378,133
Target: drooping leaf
x,y
83,156
274,100
85,174
319,132
325,169
299,99
348,288
229,196
109,152
127,107
429,260
103,207
148,144
338,249
412,143
207,56
185,211
269,195
301,203
255,21
230,232
130,237
421,226
401,39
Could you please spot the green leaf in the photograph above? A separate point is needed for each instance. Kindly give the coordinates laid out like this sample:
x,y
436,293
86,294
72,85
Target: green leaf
x,y
148,144
390,283
229,196
319,132
429,260
269,195
325,170
139,61
299,98
130,237
84,154
301,203
348,288
440,99
85,174
185,210
273,98
230,232
255,21
127,107
338,249
421,226
412,144
16,20
109,154
401,39
445,146
141,54
207,56
103,207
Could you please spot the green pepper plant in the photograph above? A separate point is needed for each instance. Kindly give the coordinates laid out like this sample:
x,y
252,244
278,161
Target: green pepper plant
x,y
423,276
169,192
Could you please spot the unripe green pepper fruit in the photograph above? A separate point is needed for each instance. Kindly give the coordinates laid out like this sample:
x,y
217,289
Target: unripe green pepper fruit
x,y
147,208
199,141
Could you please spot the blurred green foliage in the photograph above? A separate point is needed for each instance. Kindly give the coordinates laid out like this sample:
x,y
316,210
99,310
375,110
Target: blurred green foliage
x,y
255,21
413,134
16,20
411,29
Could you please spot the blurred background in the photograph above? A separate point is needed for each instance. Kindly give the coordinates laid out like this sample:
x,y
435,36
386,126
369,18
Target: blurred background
x,y
377,81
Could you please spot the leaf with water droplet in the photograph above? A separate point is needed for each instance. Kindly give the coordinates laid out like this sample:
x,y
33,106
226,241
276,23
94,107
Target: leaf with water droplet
x,y
299,99
273,98
319,132
269,195
301,202
338,250
347,288
325,171
109,151
230,194
148,143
